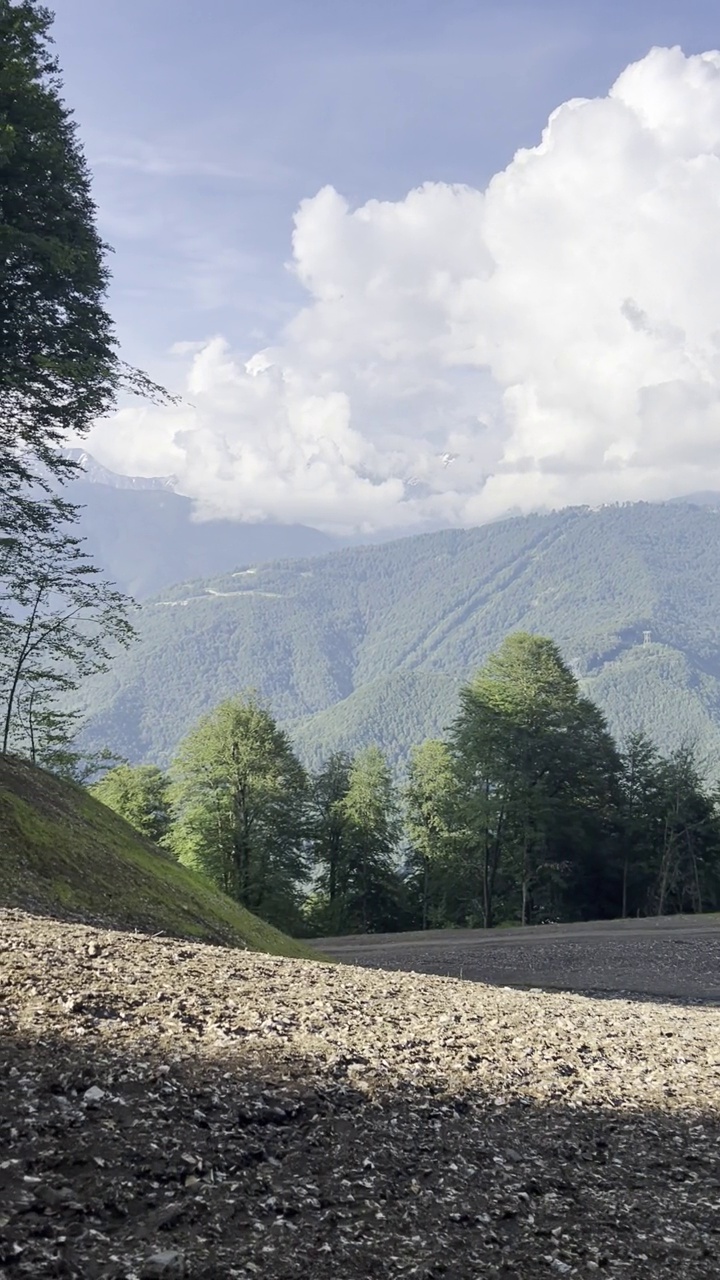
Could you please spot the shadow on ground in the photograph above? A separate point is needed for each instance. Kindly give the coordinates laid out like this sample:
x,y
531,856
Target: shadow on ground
x,y
277,1167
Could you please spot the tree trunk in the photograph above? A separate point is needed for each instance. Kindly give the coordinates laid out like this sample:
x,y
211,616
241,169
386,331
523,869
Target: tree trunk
x,y
24,651
665,870
31,728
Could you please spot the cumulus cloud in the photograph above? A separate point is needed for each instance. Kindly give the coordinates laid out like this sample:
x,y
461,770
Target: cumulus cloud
x,y
552,339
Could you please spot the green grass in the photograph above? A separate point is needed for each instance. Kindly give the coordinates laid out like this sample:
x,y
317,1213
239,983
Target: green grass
x,y
64,853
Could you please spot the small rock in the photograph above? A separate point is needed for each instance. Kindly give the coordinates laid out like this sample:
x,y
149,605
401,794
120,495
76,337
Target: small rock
x,y
93,1094
167,1265
93,950
170,1215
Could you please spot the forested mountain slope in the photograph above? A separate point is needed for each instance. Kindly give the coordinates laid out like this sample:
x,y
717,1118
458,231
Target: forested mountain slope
x,y
370,643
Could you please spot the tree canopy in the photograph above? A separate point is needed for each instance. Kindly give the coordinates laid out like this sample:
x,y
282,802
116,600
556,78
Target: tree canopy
x,y
139,793
239,797
59,371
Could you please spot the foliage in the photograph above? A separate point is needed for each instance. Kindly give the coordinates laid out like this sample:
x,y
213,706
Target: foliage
x,y
59,371
58,621
239,798
58,365
329,835
526,812
537,767
433,801
139,793
362,881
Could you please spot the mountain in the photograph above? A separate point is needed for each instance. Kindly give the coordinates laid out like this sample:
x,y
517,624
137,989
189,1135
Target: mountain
x,y
96,473
371,643
144,537
703,498
62,853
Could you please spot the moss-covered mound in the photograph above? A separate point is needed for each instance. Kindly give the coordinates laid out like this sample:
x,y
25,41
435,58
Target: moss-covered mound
x,y
65,854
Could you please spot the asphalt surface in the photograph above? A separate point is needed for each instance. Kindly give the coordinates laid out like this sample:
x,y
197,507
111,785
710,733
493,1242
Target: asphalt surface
x,y
671,958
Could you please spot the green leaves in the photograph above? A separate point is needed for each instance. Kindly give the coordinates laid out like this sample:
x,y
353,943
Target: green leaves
x,y
239,794
59,371
139,793
537,767
59,622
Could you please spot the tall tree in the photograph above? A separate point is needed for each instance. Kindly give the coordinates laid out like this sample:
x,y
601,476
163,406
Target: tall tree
x,y
329,842
239,796
537,766
432,801
58,623
371,885
687,869
59,365
640,820
59,371
139,793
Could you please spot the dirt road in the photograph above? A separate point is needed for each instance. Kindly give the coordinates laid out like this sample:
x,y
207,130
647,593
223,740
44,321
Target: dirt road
x,y
674,957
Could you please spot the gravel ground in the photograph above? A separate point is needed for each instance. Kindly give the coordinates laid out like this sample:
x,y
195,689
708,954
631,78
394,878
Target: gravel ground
x,y
676,958
172,1109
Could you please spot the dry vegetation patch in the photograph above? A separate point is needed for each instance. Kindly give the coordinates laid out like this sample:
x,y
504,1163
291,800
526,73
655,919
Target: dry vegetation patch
x,y
172,1108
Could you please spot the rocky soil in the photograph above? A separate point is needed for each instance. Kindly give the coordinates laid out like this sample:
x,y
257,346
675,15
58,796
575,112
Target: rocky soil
x,y
171,1109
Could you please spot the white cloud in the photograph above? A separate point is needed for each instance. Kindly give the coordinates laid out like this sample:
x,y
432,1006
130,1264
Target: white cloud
x,y
559,332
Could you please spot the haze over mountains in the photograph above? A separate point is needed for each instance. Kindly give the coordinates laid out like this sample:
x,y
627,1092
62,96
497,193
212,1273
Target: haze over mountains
x,y
370,644
144,536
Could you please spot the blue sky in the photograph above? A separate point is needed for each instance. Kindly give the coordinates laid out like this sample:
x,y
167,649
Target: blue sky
x,y
206,125
522,327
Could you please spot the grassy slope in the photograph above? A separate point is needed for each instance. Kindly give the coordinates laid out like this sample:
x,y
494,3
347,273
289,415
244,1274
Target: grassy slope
x,y
62,852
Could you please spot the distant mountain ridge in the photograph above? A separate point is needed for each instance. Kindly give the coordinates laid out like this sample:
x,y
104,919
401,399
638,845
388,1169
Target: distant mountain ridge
x,y
96,473
371,643
144,536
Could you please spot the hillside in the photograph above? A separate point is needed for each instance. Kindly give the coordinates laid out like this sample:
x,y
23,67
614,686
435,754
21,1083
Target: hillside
x,y
373,641
63,853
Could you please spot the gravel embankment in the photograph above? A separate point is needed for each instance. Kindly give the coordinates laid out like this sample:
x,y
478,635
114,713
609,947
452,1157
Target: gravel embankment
x,y
169,1108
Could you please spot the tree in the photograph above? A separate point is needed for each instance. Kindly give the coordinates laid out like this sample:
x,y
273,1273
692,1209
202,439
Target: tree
x,y
58,623
640,819
537,768
139,793
239,797
329,835
687,870
59,371
59,366
370,889
432,802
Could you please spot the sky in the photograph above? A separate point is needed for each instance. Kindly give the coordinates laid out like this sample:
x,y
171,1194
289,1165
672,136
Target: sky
x,y
408,264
